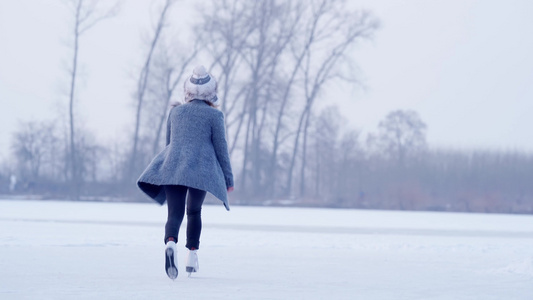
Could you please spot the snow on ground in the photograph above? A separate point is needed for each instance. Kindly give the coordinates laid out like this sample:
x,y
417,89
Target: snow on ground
x,y
89,250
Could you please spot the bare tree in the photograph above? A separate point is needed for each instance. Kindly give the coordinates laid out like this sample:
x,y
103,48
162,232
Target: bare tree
x,y
142,84
169,68
247,41
33,144
402,134
263,53
225,29
87,13
326,129
268,53
338,30
350,169
299,52
90,155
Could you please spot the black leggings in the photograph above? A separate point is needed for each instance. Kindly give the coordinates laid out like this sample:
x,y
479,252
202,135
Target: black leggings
x,y
176,209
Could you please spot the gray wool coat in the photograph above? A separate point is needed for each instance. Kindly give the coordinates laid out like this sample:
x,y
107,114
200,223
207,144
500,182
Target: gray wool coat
x,y
196,154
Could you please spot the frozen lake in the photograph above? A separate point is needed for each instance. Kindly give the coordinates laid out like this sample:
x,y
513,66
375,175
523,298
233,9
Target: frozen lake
x,y
89,250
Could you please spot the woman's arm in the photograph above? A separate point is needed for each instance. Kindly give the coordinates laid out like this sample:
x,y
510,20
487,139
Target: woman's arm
x,y
221,148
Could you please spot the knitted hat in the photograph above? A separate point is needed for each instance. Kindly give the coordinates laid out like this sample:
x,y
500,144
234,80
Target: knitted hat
x,y
201,85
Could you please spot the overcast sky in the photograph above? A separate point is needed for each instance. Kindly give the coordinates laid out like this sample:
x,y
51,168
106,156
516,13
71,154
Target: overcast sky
x,y
465,66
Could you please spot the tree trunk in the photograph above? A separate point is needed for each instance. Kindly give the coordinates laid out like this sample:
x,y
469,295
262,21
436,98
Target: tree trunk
x,y
304,157
237,133
170,88
310,40
162,118
295,149
318,170
141,88
73,157
281,113
245,159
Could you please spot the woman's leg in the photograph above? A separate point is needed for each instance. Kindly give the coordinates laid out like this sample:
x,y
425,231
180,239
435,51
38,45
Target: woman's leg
x,y
176,209
194,217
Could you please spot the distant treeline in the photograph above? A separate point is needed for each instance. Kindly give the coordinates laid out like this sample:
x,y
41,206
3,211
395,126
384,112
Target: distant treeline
x,y
386,171
289,145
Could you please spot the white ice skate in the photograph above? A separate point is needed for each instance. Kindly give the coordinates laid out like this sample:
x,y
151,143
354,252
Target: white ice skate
x,y
192,262
171,265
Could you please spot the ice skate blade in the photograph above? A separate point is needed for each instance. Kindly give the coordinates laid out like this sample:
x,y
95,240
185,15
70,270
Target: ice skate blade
x,y
172,273
170,267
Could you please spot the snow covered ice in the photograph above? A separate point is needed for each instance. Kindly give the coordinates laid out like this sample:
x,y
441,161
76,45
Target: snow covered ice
x,y
90,250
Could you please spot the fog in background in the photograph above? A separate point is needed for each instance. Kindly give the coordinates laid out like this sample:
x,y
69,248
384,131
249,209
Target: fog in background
x,y
454,77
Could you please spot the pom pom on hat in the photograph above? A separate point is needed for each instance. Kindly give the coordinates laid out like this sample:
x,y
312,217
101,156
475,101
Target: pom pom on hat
x,y
201,85
199,72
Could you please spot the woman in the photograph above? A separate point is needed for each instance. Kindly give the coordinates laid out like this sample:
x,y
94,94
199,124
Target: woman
x,y
194,161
